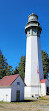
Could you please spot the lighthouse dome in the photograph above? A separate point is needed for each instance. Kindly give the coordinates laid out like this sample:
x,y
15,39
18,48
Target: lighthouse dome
x,y
32,17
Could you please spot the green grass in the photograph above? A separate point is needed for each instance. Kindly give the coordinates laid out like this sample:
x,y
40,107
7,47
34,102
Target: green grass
x,y
44,98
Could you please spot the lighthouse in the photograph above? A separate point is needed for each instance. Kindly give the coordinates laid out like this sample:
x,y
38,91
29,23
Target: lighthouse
x,y
33,64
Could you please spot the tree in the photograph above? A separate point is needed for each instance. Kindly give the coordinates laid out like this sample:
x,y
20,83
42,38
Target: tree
x,y
3,64
45,60
21,67
5,69
16,70
8,70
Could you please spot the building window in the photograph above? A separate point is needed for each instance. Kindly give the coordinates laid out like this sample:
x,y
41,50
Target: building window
x,y
18,83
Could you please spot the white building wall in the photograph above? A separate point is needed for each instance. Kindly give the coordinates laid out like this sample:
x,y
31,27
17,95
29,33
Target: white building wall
x,y
15,87
5,94
8,94
35,91
31,92
43,89
27,92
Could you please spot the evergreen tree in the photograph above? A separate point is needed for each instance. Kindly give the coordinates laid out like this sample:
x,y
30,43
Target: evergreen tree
x,y
5,69
45,60
21,67
16,70
8,70
3,64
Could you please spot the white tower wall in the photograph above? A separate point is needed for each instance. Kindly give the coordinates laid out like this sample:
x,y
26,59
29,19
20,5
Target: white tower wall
x,y
31,61
28,62
40,60
34,61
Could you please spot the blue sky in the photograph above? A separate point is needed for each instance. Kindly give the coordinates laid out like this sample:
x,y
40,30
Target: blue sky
x,y
13,18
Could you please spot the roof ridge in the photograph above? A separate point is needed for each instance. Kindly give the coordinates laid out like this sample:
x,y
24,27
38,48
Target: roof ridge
x,y
11,75
8,80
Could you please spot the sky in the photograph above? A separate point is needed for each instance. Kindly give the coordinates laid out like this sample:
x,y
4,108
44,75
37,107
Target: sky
x,y
13,18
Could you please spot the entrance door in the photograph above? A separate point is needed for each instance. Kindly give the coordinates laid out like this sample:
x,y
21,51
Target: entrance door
x,y
18,95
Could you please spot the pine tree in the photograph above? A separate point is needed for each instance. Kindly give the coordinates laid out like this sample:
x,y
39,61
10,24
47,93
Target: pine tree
x,y
21,67
16,70
45,60
5,69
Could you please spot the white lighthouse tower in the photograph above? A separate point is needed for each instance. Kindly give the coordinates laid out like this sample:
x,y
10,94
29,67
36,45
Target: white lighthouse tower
x,y
33,65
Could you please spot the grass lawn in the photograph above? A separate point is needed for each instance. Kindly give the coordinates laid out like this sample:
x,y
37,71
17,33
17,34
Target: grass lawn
x,y
29,105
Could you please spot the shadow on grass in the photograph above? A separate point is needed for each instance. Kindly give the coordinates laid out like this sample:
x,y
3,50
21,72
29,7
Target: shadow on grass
x,y
25,101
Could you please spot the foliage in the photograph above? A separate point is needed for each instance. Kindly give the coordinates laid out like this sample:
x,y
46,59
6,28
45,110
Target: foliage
x,y
5,69
45,60
16,70
21,67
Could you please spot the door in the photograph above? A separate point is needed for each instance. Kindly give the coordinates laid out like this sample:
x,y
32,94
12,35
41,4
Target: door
x,y
18,95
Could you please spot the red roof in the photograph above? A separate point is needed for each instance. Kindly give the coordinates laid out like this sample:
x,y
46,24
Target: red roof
x,y
43,80
8,80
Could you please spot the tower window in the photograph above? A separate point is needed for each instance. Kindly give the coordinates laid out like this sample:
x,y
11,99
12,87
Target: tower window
x,y
34,32
29,31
